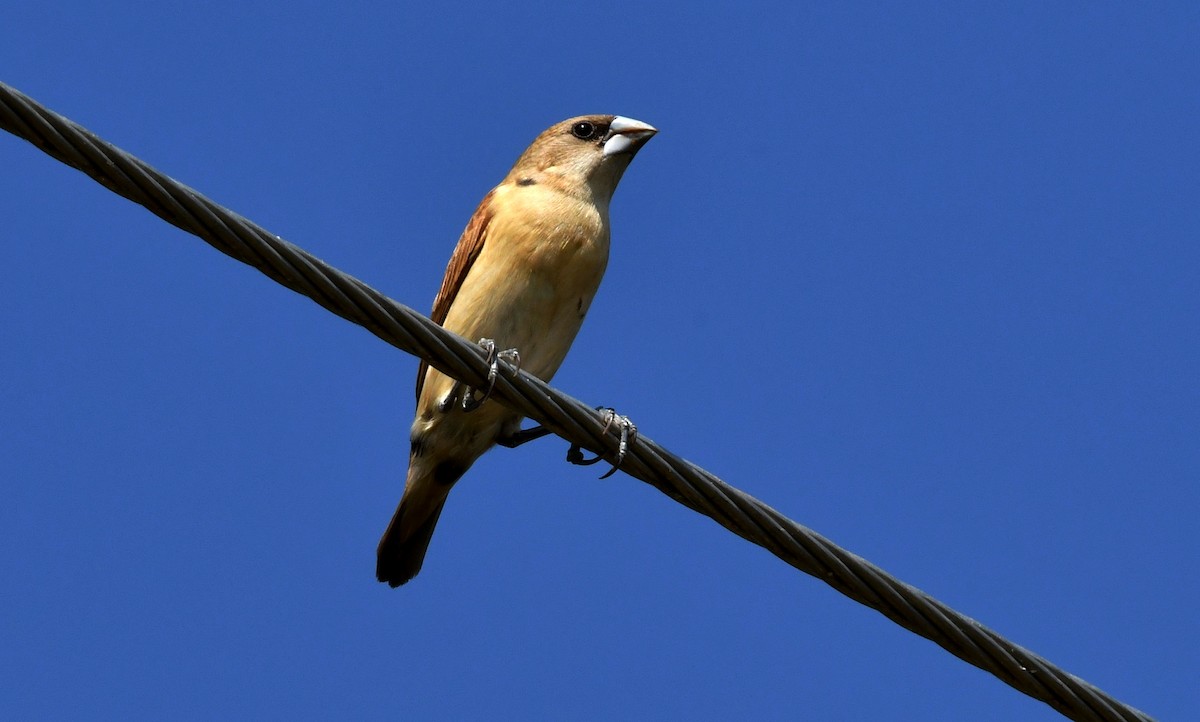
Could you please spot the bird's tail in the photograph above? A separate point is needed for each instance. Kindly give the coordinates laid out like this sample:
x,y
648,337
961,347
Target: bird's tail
x,y
402,548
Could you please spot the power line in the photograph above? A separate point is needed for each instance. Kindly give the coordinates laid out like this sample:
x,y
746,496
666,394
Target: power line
x,y
684,482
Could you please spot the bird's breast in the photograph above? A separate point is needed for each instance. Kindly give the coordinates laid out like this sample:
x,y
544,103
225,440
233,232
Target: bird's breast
x,y
535,277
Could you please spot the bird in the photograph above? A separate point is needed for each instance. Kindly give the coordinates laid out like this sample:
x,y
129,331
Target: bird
x,y
521,279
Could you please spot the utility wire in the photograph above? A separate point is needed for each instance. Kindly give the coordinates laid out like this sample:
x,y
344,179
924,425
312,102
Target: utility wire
x,y
684,482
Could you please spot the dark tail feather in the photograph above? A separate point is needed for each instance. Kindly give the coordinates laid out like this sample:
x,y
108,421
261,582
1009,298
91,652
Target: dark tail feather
x,y
400,556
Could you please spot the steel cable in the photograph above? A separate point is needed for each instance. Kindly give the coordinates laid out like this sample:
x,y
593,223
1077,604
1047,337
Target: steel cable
x,y
684,482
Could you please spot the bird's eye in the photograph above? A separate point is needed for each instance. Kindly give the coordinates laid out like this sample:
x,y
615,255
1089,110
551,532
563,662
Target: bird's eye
x,y
583,130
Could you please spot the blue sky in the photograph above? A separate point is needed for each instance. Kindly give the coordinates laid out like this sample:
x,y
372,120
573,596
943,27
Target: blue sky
x,y
924,277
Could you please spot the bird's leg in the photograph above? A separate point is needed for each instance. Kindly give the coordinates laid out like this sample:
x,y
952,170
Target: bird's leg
x,y
523,436
494,358
628,434
451,398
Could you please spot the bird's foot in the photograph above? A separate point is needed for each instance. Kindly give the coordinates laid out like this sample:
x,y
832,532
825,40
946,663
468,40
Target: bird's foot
x,y
494,357
628,431
449,400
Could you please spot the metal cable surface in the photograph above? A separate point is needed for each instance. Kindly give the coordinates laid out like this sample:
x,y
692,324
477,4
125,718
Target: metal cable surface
x,y
684,482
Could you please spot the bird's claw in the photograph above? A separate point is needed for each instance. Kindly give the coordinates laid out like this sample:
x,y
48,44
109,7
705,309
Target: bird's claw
x,y
494,357
510,356
628,434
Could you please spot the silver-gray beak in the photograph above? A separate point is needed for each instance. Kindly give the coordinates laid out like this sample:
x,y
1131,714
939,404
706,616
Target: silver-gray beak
x,y
626,135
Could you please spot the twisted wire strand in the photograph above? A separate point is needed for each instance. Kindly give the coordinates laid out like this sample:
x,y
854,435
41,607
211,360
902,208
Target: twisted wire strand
x,y
684,482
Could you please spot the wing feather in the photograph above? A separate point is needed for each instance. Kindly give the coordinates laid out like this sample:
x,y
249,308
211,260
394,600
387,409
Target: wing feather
x,y
468,248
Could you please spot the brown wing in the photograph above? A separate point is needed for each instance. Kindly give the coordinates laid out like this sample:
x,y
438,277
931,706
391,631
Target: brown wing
x,y
465,253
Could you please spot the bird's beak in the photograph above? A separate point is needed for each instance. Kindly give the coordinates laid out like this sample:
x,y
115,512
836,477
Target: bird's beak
x,y
626,135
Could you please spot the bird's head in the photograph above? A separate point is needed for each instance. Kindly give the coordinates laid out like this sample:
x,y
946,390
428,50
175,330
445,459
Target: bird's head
x,y
590,151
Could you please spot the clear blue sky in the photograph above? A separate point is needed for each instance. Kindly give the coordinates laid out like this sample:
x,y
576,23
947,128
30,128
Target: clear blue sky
x,y
925,278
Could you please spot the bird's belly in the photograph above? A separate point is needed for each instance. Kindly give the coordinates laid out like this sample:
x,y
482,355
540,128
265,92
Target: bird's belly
x,y
535,307
533,312
538,316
